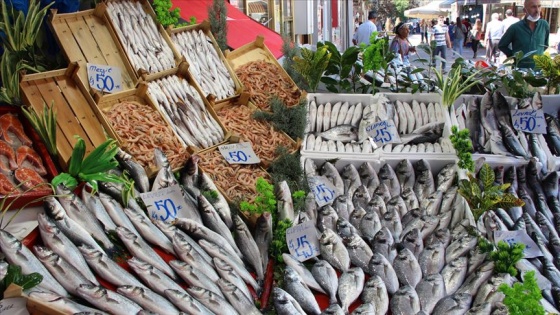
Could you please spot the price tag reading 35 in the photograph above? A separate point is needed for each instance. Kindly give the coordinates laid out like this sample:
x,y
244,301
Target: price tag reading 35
x,y
165,204
239,153
323,189
529,120
104,78
383,132
302,241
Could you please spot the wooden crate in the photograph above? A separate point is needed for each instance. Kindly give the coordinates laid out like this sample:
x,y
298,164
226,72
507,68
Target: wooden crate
x,y
149,10
105,102
255,51
182,71
87,37
73,107
205,28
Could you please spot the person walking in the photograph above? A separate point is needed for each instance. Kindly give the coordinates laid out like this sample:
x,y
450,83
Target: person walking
x,y
475,35
365,30
442,41
424,30
400,44
530,34
459,33
468,28
509,20
494,32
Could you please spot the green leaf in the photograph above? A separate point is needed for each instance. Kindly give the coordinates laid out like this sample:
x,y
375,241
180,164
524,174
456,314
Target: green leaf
x,y
486,175
65,179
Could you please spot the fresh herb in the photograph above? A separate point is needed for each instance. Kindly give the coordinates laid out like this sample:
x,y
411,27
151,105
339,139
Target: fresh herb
x,y
504,256
312,64
343,72
15,276
92,168
523,298
278,245
482,194
454,85
291,120
290,50
265,201
45,125
298,198
462,144
217,15
288,167
165,15
211,196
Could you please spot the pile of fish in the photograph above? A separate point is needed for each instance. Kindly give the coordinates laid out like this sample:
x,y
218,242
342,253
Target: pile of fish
x,y
341,127
206,66
144,45
489,120
212,264
405,227
184,109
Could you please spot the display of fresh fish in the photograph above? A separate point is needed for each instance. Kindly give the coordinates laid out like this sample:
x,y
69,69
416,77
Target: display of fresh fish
x,y
107,300
148,299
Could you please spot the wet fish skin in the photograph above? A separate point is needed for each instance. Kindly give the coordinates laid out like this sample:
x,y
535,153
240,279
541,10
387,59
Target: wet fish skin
x,y
458,303
381,267
154,278
364,309
350,286
148,230
388,177
375,292
342,133
247,245
194,277
359,251
475,280
285,304
333,309
227,272
327,278
430,290
148,299
481,309
263,236
211,219
295,286
199,231
93,202
405,301
237,299
305,274
106,300
454,274
460,247
213,302
432,259
327,218
329,171
63,304
345,229
333,250
370,224
383,243
343,206
407,268
405,174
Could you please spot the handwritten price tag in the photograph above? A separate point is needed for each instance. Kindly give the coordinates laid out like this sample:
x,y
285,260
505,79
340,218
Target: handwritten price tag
x,y
239,153
303,241
14,306
165,204
529,120
323,189
383,132
514,237
104,78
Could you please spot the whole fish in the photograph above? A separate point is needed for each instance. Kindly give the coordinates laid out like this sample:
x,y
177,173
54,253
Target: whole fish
x,y
263,236
350,286
194,277
552,134
285,204
413,241
383,243
454,274
148,299
199,231
432,259
370,224
211,301
381,267
211,219
458,303
460,247
116,212
343,205
430,290
238,300
305,274
351,179
329,171
488,292
227,272
405,301
295,286
388,177
333,250
220,204
327,218
342,133
475,280
153,277
361,197
474,125
106,300
285,304
407,268
18,254
375,292
136,171
93,202
405,174
358,250
487,114
148,230
63,304
424,184
511,141
248,246
327,278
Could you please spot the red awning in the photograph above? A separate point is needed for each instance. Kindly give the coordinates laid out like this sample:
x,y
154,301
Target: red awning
x,y
241,28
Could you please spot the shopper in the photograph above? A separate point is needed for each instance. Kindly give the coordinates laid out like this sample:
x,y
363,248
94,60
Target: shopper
x,y
400,44
459,36
442,42
424,30
365,30
475,35
494,32
509,20
530,34
468,28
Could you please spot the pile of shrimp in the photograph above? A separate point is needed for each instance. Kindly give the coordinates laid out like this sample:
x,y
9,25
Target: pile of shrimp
x,y
236,181
263,79
142,129
263,137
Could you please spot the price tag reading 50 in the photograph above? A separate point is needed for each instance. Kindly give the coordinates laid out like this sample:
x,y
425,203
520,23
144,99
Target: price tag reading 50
x,y
104,78
302,241
529,120
165,204
383,132
239,153
323,189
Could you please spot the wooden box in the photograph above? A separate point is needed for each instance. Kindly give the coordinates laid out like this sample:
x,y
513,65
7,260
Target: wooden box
x,y
140,134
205,28
87,37
257,51
183,74
128,49
73,107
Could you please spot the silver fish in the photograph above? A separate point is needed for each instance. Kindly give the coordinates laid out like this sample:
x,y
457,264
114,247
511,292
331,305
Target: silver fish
x,y
458,303
410,199
375,292
342,133
351,179
263,236
333,309
136,171
248,246
413,241
405,174
194,277
327,218
370,224
285,304
383,243
405,301
63,304
329,171
227,272
381,267
392,221
106,300
211,219
480,309
306,275
488,292
295,286
199,231
454,274
148,299
432,259
221,204
350,286
343,206
333,250
460,247
213,302
237,299
407,268
424,184
326,276
365,309
285,203
430,290
475,280
388,177
148,230
358,250
153,277
93,202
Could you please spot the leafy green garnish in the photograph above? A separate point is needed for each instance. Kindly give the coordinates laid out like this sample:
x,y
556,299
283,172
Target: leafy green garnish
x,y
312,64
462,144
265,201
168,17
504,256
287,167
291,120
15,276
279,245
523,298
45,125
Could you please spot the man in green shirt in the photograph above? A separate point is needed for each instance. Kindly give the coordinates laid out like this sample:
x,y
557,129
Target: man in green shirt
x,y
529,34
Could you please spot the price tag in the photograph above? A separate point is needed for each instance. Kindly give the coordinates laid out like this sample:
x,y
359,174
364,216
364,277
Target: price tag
x,y
529,120
104,78
383,132
302,240
323,189
14,306
514,237
239,153
165,204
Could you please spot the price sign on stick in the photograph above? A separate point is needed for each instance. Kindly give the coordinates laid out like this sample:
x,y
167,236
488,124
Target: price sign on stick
x,y
383,132
323,189
529,120
104,78
303,241
239,153
513,237
165,204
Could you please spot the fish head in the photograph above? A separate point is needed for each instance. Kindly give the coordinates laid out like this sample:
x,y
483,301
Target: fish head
x,y
291,275
221,264
413,236
176,293
421,166
9,242
45,296
47,224
264,222
226,286
186,224
463,299
92,291
139,265
125,233
44,254
386,172
54,208
350,172
280,295
61,189
208,246
374,282
130,290
377,260
90,252
436,280
239,224
199,293
191,166
383,236
181,265
160,158
328,237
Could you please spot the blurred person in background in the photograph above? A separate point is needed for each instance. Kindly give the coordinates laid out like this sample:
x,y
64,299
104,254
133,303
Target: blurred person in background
x,y
400,44
475,35
509,20
440,36
424,30
494,32
364,31
459,32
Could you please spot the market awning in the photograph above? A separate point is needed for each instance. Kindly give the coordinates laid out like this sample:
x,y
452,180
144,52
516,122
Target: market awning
x,y
241,28
431,10
446,4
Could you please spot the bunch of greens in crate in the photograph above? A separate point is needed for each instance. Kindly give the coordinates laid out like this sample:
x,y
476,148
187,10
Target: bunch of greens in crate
x,y
291,120
265,201
290,50
343,71
454,84
45,125
168,17
312,64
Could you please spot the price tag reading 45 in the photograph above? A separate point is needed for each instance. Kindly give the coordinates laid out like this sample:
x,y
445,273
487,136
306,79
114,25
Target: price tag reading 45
x,y
529,120
104,78
323,189
239,153
164,204
302,241
383,132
